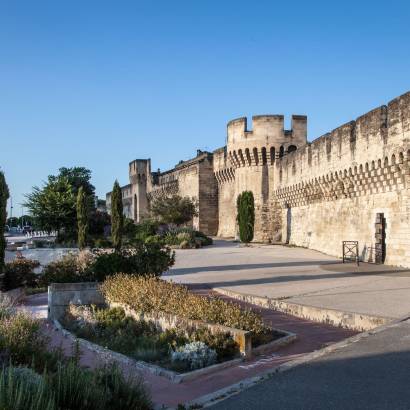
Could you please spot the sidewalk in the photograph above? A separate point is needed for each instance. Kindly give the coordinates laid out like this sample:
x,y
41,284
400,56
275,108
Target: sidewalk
x,y
297,275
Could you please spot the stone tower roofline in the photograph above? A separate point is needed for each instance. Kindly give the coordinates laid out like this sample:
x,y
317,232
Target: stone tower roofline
x,y
266,141
270,126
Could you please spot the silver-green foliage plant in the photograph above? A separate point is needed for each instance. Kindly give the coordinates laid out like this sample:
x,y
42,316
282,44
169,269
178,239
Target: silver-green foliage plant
x,y
195,355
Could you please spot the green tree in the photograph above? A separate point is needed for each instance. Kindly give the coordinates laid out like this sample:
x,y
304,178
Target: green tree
x,y
174,210
82,218
246,216
117,216
54,205
4,196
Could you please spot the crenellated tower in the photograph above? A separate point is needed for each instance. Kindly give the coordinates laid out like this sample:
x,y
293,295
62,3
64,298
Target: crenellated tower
x,y
251,155
267,141
140,180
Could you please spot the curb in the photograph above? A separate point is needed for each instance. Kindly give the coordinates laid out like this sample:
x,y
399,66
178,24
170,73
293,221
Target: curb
x,y
338,318
222,394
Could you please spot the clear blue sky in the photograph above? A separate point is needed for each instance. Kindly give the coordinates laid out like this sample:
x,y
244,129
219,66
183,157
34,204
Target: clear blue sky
x,y
100,83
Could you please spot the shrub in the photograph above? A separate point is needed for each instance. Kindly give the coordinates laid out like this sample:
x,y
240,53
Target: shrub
x,y
224,345
194,355
122,393
74,388
146,229
186,238
246,216
153,294
65,270
174,210
22,389
20,272
149,259
21,339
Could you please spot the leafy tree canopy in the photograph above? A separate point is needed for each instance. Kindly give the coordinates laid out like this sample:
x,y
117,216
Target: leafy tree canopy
x,y
174,210
53,206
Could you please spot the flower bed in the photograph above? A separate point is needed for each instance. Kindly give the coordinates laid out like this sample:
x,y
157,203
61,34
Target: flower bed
x,y
156,295
179,350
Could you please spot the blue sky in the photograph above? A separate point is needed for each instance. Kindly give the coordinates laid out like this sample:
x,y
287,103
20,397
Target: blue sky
x,y
100,83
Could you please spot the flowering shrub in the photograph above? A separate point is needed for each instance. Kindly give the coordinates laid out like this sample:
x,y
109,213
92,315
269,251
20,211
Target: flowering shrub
x,y
151,294
194,355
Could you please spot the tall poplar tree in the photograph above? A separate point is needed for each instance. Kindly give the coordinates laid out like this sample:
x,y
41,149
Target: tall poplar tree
x,y
82,218
4,196
117,216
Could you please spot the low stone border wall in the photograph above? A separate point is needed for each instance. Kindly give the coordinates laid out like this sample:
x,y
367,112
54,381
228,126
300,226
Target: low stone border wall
x,y
61,295
348,320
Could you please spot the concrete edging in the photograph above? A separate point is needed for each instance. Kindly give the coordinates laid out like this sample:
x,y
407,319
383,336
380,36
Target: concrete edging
x,y
348,320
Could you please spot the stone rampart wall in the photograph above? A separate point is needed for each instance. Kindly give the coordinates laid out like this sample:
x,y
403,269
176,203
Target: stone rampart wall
x,y
331,189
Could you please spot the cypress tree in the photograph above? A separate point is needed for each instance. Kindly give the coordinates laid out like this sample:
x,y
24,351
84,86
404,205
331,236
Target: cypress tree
x,y
246,216
82,218
4,196
117,216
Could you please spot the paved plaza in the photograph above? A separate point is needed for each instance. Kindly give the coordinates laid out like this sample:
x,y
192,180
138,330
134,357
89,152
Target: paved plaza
x,y
298,275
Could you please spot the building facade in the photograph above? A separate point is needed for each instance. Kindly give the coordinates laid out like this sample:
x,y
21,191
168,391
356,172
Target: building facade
x,y
351,184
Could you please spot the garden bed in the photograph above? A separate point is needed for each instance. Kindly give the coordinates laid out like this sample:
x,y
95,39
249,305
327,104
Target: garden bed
x,y
151,343
168,330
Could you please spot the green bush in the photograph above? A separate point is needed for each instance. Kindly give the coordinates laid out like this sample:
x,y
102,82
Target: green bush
x,y
224,345
23,343
20,272
146,229
149,259
153,294
102,389
174,210
20,392
65,270
74,388
246,216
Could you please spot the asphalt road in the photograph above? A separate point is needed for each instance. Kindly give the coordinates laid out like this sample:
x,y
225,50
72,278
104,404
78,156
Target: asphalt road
x,y
373,373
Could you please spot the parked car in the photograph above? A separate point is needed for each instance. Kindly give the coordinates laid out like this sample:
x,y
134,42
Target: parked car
x,y
7,228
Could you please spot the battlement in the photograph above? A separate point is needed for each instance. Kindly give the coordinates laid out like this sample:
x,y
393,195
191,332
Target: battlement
x,y
266,141
269,128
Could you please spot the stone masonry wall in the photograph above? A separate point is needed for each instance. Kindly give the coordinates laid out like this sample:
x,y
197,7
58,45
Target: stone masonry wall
x,y
331,190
